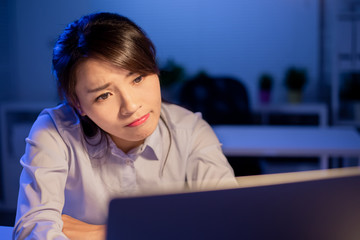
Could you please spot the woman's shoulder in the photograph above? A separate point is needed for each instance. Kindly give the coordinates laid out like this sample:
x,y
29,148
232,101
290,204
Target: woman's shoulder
x,y
179,117
62,116
188,127
59,119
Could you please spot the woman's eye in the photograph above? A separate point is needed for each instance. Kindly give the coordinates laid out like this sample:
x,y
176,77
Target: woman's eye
x,y
138,79
103,96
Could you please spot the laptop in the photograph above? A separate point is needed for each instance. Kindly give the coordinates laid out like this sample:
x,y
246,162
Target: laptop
x,y
325,209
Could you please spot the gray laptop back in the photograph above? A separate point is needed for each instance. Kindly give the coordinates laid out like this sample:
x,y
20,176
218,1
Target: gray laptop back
x,y
323,209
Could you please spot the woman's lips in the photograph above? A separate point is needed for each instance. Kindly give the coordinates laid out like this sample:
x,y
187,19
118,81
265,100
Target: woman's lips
x,y
139,121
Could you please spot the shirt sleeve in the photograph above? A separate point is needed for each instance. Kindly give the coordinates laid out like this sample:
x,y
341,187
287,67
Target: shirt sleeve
x,y
207,166
42,183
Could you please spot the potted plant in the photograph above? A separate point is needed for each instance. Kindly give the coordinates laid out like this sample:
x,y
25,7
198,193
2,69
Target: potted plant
x,y
265,87
171,77
295,80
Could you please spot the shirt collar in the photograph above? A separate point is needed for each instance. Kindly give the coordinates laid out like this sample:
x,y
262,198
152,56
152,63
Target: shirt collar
x,y
151,149
97,145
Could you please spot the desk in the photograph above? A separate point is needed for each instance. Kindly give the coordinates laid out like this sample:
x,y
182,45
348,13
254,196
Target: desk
x,y
286,141
6,232
293,177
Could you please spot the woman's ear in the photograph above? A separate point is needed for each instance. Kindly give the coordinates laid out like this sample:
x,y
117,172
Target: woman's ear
x,y
81,112
79,109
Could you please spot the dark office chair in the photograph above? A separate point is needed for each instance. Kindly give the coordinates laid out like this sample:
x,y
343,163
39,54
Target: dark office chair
x,y
221,100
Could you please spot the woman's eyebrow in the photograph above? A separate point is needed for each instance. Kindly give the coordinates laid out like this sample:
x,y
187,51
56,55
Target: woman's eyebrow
x,y
106,85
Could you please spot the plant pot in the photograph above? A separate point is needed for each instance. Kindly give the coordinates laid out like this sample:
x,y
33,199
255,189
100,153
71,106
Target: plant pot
x,y
294,96
265,96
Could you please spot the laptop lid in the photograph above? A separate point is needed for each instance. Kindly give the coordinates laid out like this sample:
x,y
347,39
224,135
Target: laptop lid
x,y
319,209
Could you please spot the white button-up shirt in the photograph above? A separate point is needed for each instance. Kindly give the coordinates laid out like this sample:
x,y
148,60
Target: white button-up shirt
x,y
66,173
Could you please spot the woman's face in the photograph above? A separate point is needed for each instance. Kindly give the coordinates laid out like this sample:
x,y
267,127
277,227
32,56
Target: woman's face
x,y
124,104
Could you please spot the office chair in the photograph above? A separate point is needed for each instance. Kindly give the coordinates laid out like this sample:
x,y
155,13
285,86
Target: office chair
x,y
222,100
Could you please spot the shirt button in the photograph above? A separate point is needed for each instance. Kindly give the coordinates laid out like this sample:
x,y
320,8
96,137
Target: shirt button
x,y
128,161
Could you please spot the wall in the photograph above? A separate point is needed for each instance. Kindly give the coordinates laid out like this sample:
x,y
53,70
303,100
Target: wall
x,y
231,37
37,25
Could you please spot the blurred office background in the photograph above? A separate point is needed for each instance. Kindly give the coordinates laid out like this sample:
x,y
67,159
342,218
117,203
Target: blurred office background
x,y
279,62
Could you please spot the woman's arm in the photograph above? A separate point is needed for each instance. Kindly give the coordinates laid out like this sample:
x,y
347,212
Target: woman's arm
x,y
42,183
76,229
207,165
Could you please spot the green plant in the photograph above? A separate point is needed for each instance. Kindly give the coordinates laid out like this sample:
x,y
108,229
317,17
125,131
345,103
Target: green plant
x,y
295,79
171,73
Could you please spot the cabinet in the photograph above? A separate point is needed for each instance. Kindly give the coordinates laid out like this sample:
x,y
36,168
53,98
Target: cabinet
x,y
346,65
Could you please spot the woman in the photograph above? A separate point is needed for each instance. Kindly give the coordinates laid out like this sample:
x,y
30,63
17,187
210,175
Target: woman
x,y
112,135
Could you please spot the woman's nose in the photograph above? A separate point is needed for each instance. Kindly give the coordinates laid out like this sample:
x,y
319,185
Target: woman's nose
x,y
128,105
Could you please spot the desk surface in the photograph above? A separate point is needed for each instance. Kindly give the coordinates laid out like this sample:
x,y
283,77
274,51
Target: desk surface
x,y
288,141
292,177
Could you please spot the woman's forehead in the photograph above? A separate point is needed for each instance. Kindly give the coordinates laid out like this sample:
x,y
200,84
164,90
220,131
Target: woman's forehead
x,y
97,68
